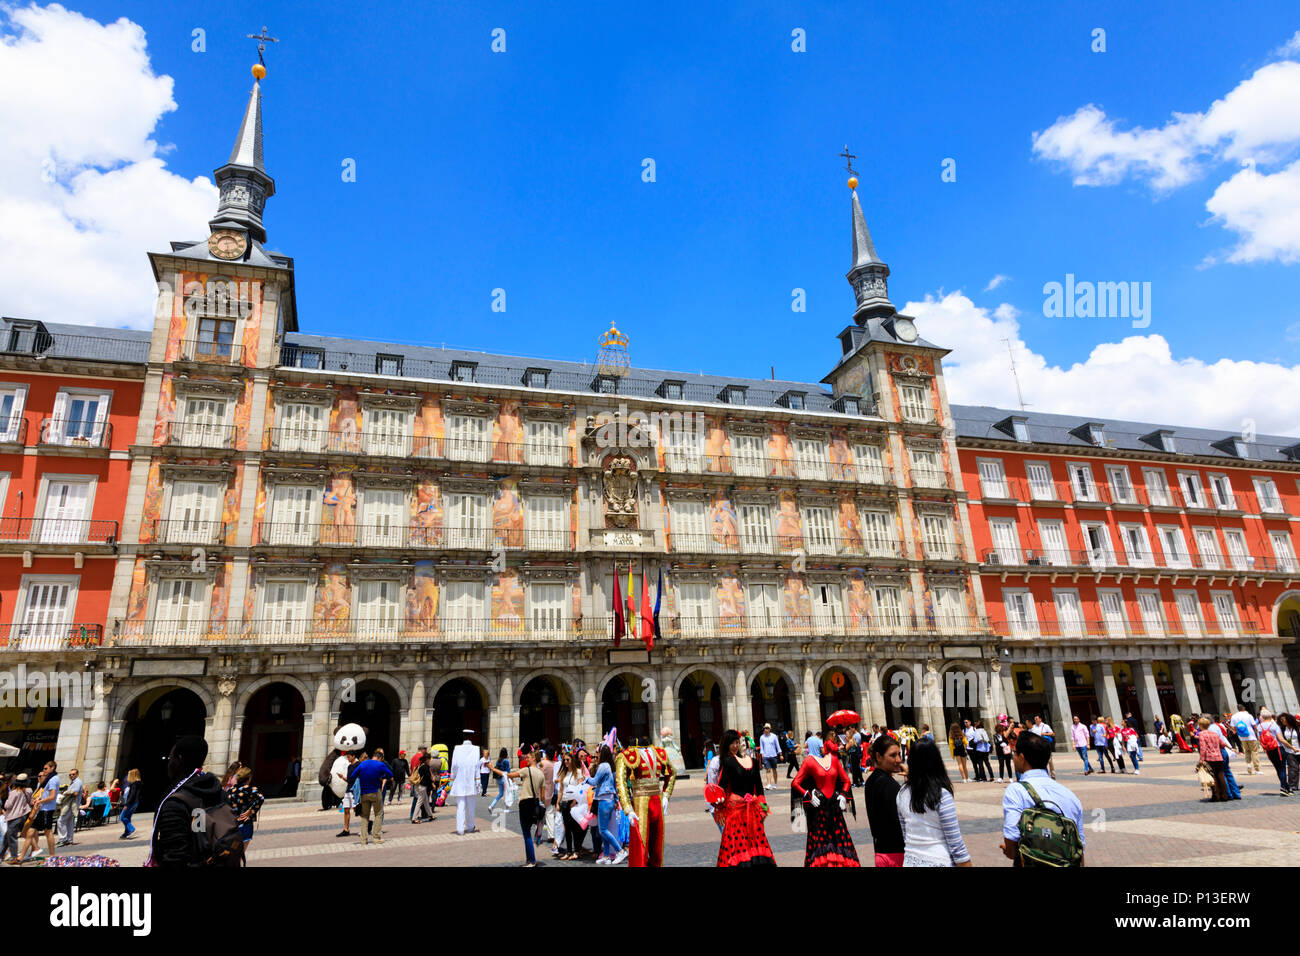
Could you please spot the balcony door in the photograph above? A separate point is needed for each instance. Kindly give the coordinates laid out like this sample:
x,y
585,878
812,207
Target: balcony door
x,y
67,506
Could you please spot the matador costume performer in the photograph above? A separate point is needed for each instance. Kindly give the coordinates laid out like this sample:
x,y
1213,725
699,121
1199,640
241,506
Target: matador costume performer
x,y
637,771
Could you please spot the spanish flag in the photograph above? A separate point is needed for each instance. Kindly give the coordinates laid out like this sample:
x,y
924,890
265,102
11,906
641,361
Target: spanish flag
x,y
619,627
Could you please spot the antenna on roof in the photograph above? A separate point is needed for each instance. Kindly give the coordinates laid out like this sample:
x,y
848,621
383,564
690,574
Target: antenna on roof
x,y
1012,356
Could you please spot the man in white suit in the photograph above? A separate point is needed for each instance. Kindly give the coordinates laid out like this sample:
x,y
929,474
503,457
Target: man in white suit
x,y
465,782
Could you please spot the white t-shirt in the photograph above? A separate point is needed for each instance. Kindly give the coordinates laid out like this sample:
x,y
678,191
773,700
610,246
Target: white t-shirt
x,y
1242,717
1043,730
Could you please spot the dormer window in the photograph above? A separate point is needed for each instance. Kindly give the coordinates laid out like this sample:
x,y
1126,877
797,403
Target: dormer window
x,y
848,405
606,384
1233,446
1239,447
537,377
1096,434
733,395
670,389
1020,429
795,400
464,371
29,338
388,364
1167,441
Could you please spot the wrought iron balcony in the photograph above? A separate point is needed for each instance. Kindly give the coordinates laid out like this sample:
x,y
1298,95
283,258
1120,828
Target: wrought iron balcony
x,y
812,544
320,441
49,637
185,531
201,434
13,430
513,630
410,537
58,530
1049,560
84,434
1116,629
209,350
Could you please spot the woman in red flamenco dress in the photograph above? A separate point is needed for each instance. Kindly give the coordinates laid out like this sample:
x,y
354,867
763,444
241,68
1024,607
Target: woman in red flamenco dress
x,y
826,790
740,808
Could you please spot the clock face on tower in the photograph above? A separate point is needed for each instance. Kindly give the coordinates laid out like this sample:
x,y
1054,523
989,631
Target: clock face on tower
x,y
905,330
227,244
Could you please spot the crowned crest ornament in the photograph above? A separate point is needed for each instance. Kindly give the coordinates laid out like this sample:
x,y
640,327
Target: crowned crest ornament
x,y
620,490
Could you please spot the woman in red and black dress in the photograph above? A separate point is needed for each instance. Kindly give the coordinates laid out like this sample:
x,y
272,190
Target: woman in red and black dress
x,y
742,808
826,790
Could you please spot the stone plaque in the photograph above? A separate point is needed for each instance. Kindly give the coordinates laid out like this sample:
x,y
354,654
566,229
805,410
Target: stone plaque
x,y
629,657
188,667
960,650
622,539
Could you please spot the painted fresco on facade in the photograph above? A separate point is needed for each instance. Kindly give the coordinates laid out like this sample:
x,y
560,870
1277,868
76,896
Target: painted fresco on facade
x,y
508,514
427,517
508,434
850,524
422,597
507,599
789,522
731,601
798,604
333,594
859,615
722,520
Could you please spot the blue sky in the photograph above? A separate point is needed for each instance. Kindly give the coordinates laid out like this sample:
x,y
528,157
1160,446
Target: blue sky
x,y
522,170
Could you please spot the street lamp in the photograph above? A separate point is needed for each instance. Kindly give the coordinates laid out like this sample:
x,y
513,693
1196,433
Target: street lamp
x,y
276,705
370,702
461,699
165,713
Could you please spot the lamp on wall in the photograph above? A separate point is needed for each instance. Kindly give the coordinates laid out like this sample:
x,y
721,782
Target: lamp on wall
x,y
276,705
544,696
770,688
166,711
370,702
29,715
461,699
624,694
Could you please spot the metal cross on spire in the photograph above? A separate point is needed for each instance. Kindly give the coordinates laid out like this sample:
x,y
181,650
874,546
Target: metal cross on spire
x,y
849,157
263,38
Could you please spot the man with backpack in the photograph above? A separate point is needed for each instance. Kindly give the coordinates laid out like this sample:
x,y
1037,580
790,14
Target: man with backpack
x,y
1042,820
1245,727
194,826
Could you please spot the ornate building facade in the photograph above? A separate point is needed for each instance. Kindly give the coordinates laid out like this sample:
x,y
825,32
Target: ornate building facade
x,y
318,530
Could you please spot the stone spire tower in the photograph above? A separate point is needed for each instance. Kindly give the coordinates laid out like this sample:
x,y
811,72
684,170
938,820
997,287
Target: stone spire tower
x,y
868,275
243,180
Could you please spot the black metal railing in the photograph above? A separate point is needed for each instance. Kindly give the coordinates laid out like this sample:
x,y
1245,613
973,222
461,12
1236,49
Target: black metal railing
x,y
76,433
59,530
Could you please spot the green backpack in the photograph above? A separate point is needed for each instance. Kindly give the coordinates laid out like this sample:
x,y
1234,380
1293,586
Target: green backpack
x,y
1047,836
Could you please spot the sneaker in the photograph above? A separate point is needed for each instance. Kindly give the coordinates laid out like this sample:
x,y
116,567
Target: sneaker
x,y
601,860
1137,773
1000,780
622,855
529,866
343,833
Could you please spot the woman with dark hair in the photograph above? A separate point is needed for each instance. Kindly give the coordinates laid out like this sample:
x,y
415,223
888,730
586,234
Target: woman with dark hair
x,y
569,787
1289,744
501,771
957,744
605,794
741,808
826,790
927,812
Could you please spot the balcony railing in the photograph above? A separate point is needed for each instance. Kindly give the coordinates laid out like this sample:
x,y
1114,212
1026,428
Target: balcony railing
x,y
76,433
1106,494
321,441
49,637
415,536
1095,560
13,431
600,628
1116,629
209,351
813,544
185,531
201,434
930,478
58,530
765,466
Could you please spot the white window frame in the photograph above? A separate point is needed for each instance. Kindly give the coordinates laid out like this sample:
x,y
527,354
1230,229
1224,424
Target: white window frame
x,y
1221,492
1151,612
993,478
926,475
763,609
546,522
1141,556
1082,481
464,611
199,431
468,437
57,432
392,619
1121,485
1182,557
683,446
387,432
547,615
869,463
303,426
1283,550
1008,550
63,530
176,534
1202,500
163,619
755,528
749,455
696,613
878,533
1226,612
1190,616
468,516
1114,619
827,598
949,607
1056,553
1041,484
1069,612
49,634
546,443
811,459
289,523
690,525
1021,613
9,434
1266,493
1103,556
1207,546
384,516
1156,483
914,401
1238,551
819,529
937,536
280,621
889,606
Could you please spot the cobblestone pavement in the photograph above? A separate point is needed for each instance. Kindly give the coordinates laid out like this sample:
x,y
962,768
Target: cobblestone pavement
x,y
1153,819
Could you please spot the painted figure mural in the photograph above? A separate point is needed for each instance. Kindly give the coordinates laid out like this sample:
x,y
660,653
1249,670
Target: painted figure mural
x,y
722,519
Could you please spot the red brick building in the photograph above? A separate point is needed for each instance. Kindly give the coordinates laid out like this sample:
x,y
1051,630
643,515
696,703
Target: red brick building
x,y
69,403
1132,567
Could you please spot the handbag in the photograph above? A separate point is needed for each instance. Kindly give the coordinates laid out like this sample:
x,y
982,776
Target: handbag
x,y
511,793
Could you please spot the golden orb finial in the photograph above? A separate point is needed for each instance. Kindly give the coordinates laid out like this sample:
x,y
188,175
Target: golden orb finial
x,y
259,71
853,182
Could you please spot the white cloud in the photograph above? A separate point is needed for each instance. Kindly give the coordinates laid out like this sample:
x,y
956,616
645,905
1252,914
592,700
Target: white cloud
x,y
83,186
1137,378
996,281
1256,123
1290,48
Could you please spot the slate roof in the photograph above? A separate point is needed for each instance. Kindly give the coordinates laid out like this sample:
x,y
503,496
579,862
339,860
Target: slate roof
x,y
60,340
987,422
496,369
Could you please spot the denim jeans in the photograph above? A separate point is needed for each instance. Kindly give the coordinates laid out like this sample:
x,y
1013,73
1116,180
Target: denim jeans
x,y
1234,790
526,816
1136,757
127,811
10,845
1083,754
608,838
501,792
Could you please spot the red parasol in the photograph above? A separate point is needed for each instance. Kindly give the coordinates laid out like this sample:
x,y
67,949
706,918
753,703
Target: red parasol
x,y
843,718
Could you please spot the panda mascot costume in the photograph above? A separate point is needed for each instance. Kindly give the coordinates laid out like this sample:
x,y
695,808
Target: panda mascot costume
x,y
348,738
